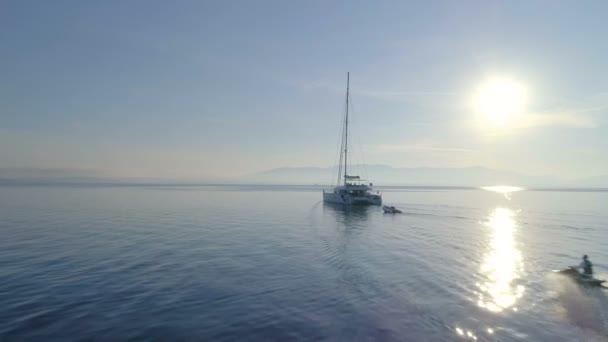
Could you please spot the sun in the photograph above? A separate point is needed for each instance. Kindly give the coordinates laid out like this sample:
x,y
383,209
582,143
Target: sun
x,y
500,100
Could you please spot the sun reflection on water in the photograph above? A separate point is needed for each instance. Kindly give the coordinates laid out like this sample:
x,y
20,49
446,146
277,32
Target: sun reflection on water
x,y
502,264
505,190
502,188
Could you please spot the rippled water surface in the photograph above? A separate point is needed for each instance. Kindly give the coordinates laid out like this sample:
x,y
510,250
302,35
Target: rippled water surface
x,y
274,263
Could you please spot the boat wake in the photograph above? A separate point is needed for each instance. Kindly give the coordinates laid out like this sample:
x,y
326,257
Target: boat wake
x,y
584,308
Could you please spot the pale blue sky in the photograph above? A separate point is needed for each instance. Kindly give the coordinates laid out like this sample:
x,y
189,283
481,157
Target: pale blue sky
x,y
204,89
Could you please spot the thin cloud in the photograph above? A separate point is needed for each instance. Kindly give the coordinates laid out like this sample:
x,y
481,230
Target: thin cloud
x,y
419,147
404,93
320,84
558,120
593,109
333,87
401,95
581,117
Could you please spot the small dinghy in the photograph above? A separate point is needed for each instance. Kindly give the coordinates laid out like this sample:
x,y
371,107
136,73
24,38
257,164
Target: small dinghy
x,y
390,209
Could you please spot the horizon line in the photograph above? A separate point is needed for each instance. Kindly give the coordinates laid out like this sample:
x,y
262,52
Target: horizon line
x,y
311,186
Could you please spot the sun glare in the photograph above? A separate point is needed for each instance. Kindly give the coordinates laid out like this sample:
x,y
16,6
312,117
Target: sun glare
x,y
500,100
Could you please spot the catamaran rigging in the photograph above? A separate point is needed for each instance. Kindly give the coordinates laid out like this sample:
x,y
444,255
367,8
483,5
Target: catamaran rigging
x,y
354,190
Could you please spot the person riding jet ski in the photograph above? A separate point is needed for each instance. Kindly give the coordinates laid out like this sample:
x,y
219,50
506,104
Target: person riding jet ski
x,y
586,266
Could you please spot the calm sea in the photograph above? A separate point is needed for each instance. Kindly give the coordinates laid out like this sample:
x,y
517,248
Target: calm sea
x,y
245,263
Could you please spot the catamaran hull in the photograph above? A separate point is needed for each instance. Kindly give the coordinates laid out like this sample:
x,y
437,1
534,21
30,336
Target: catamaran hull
x,y
332,197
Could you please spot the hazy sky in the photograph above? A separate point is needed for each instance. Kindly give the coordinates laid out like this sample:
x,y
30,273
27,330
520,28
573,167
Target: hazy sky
x,y
199,89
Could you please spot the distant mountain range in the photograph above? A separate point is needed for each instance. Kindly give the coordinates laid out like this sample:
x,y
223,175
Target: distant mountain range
x,y
378,174
24,175
387,175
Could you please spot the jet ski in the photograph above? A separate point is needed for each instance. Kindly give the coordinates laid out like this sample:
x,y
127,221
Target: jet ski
x,y
391,210
574,274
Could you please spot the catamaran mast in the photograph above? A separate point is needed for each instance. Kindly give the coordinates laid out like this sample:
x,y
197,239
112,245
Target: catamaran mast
x,y
346,129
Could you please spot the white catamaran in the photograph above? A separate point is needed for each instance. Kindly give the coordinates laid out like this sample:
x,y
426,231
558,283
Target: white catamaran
x,y
354,190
